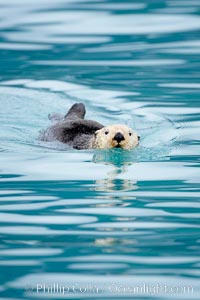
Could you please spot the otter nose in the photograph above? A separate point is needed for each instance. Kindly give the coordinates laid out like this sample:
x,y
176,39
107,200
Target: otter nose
x,y
118,137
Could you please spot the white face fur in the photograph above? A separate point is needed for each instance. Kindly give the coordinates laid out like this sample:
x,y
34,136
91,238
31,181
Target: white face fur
x,y
116,136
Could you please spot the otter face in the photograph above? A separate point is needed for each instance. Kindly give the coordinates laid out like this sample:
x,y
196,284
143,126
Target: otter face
x,y
116,136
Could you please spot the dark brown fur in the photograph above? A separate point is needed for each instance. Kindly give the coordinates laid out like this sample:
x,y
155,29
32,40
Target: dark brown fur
x,y
73,129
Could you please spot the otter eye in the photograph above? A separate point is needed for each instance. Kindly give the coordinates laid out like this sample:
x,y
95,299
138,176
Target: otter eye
x,y
130,133
106,132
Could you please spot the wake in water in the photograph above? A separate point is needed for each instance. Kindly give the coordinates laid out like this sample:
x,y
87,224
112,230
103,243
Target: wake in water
x,y
32,101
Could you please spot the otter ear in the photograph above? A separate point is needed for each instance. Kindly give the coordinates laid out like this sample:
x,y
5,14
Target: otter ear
x,y
96,132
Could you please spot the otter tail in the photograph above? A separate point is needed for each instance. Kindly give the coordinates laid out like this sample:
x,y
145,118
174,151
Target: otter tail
x,y
77,111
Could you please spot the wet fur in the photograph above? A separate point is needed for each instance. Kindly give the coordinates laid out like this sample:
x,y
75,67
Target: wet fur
x,y
74,130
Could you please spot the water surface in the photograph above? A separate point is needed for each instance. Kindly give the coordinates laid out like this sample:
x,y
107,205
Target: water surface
x,y
100,224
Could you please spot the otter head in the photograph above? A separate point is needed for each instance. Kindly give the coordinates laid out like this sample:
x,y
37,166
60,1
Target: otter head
x,y
116,136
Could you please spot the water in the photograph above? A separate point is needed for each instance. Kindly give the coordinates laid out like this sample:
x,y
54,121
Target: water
x,y
100,224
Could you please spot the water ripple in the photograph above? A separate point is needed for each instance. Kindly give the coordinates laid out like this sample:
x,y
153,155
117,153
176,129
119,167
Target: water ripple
x,y
28,219
110,218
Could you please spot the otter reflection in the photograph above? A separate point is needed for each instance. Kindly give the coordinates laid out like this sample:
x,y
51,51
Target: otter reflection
x,y
120,160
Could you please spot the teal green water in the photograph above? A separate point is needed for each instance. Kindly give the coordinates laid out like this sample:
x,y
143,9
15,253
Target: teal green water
x,y
100,224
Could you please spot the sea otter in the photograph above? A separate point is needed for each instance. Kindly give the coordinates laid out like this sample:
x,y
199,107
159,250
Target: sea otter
x,y
74,130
